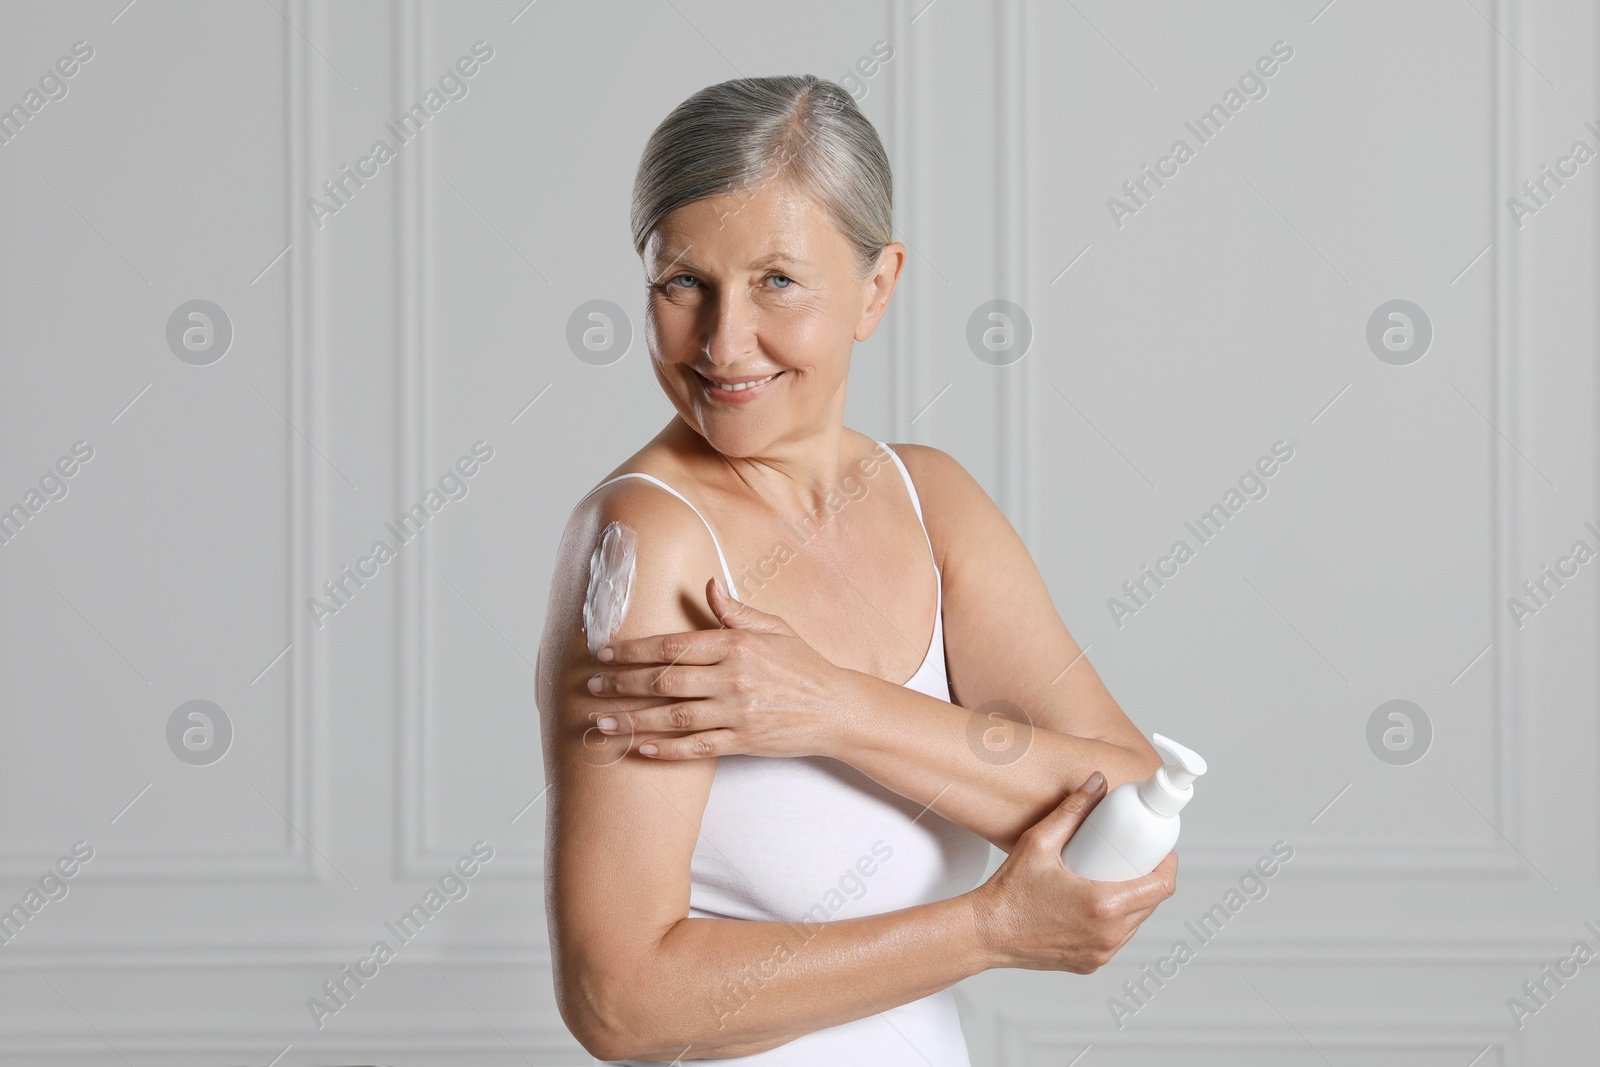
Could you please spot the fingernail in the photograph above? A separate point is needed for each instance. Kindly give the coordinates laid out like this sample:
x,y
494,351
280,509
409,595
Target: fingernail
x,y
1096,780
594,684
606,654
648,750
607,723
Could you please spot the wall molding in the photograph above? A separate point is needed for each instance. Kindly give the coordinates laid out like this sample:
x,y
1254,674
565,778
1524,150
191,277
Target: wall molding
x,y
417,855
1491,857
306,523
250,1041
1024,1039
1014,443
1454,945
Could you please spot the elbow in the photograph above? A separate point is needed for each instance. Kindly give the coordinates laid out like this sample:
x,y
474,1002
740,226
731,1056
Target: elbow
x,y
1140,763
618,1014
599,1046
1143,759
599,1013
601,1038
608,1048
603,1045
1146,762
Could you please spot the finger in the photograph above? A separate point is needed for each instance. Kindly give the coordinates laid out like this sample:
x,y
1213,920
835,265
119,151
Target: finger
x,y
1139,915
1126,939
695,746
737,615
668,718
1167,869
689,646
657,680
1059,824
1151,889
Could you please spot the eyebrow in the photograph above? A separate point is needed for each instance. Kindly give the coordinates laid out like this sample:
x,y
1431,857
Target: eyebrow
x,y
769,259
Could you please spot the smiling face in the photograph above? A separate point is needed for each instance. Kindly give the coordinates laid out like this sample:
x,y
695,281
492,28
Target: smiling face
x,y
750,285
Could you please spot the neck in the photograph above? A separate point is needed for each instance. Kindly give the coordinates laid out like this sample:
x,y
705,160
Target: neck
x,y
794,475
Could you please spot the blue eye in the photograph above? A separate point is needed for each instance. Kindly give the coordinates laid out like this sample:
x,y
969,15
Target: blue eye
x,y
785,277
676,277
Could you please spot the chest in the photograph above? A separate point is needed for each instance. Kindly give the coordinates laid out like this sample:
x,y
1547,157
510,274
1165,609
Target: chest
x,y
864,594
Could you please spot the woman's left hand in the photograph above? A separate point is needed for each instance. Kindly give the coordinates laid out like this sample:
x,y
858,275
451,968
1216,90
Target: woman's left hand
x,y
754,687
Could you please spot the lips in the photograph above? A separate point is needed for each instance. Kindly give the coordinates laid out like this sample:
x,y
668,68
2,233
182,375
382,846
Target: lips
x,y
739,389
740,384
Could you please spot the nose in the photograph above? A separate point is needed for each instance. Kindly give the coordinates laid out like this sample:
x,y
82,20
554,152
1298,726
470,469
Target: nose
x,y
730,328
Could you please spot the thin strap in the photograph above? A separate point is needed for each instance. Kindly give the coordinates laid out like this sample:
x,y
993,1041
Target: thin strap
x,y
915,503
936,644
726,574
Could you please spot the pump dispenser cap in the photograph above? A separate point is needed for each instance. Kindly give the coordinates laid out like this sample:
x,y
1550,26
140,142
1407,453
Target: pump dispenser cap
x,y
1169,789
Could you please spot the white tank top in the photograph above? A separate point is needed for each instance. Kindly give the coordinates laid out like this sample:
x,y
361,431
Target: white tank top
x,y
810,839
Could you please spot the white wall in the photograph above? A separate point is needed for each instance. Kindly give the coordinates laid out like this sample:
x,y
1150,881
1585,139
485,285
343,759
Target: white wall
x,y
1229,312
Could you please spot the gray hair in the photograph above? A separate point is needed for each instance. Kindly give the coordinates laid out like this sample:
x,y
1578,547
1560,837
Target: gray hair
x,y
737,135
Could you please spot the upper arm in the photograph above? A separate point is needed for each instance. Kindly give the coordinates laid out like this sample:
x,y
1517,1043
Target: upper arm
x,y
620,827
1004,639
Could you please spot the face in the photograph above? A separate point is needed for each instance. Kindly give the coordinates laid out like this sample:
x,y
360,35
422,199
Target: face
x,y
754,284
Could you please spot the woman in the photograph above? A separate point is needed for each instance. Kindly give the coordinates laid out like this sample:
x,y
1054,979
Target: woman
x,y
764,845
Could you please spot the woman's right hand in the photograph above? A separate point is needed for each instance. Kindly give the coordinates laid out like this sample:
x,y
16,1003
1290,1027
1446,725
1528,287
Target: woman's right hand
x,y
1035,914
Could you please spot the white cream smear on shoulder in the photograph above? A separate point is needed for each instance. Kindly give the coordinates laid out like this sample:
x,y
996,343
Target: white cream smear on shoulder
x,y
611,569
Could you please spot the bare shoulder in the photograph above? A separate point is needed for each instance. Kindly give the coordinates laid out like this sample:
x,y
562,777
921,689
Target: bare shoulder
x,y
954,504
1004,638
932,466
643,505
674,554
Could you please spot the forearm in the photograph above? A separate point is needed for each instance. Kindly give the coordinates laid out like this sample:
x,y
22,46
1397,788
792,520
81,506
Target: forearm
x,y
715,988
992,776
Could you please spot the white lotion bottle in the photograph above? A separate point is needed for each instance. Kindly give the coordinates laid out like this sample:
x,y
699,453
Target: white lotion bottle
x,y
1134,826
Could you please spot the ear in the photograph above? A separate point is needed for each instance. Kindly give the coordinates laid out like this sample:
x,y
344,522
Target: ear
x,y
879,287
